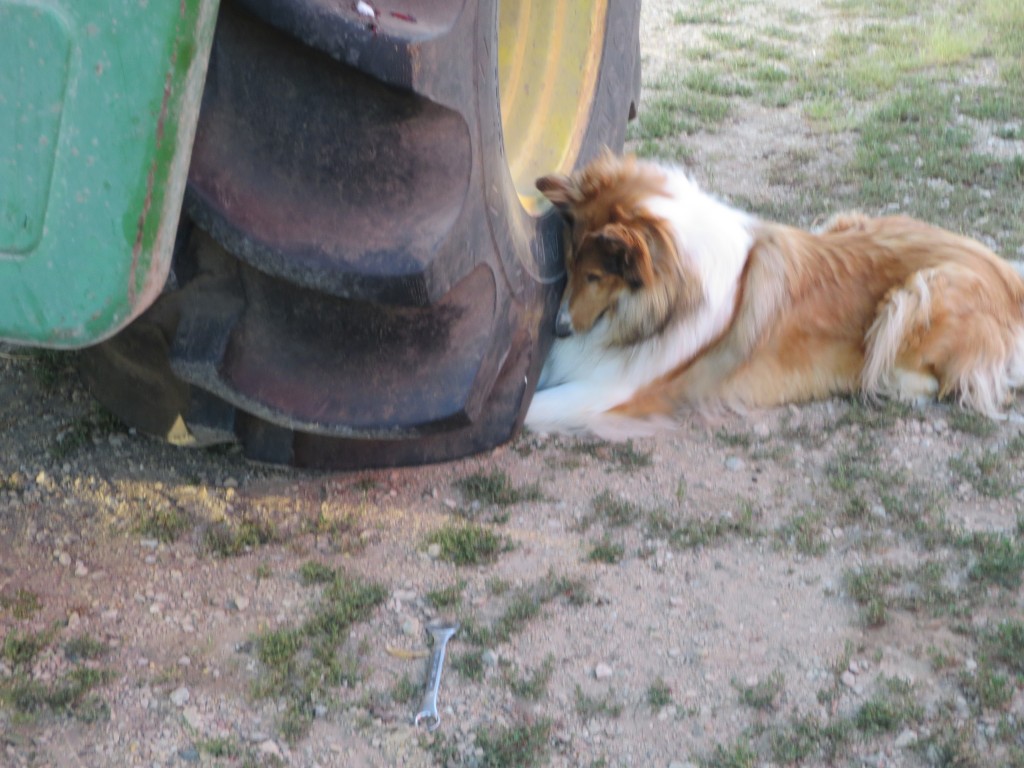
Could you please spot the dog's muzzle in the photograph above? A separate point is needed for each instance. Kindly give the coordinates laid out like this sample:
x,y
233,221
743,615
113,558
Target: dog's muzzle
x,y
563,321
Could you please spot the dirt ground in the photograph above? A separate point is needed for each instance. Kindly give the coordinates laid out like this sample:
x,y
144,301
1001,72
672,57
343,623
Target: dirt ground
x,y
737,542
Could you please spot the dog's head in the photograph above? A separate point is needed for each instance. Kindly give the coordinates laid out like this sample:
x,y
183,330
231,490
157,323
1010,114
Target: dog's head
x,y
619,248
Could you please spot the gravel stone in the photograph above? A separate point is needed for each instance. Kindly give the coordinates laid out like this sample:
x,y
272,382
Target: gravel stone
x,y
179,696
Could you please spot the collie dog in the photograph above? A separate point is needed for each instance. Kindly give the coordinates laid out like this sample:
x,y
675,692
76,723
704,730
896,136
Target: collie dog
x,y
677,301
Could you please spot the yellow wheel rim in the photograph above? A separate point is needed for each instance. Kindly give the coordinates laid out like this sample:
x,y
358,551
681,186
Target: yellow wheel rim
x,y
549,52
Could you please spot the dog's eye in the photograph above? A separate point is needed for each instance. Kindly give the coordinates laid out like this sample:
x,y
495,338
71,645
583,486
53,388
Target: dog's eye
x,y
593,277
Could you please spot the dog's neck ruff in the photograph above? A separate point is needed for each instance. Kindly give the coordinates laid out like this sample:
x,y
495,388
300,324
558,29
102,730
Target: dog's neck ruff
x,y
714,240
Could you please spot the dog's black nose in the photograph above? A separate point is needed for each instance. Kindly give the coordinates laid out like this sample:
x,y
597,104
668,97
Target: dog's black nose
x,y
563,325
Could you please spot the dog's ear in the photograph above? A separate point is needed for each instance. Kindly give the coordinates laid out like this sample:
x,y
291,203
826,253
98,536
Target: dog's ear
x,y
625,253
559,189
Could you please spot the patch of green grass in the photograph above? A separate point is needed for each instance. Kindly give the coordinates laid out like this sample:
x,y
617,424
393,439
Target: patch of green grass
x,y
894,706
342,527
522,606
70,695
219,746
588,707
733,439
469,664
614,511
659,695
712,83
85,648
873,417
999,559
925,589
868,587
519,746
1005,644
703,16
988,473
23,604
942,660
918,133
301,665
918,509
447,597
860,465
691,533
971,423
534,684
1004,21
164,525
857,511
312,572
606,551
764,694
953,745
498,586
574,591
625,457
468,544
262,572
805,532
674,110
226,540
345,601
405,690
740,754
496,488
20,648
990,688
276,648
796,741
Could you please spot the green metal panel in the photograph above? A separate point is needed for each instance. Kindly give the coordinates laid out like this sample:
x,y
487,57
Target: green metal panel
x,y
98,107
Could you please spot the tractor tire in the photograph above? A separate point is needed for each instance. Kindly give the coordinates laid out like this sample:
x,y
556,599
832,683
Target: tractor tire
x,y
365,275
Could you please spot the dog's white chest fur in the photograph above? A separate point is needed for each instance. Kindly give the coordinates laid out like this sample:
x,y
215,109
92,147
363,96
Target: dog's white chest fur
x,y
585,376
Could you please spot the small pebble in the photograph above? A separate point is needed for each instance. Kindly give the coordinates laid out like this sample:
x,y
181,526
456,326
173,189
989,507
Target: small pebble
x,y
189,754
907,738
734,464
602,671
180,696
411,627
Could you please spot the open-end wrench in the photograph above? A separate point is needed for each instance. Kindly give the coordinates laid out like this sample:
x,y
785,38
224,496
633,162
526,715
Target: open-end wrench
x,y
441,633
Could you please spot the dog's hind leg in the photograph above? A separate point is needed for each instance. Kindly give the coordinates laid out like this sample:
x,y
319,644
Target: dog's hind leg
x,y
946,330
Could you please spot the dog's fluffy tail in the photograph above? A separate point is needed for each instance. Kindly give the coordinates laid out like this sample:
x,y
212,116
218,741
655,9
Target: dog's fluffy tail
x,y
942,333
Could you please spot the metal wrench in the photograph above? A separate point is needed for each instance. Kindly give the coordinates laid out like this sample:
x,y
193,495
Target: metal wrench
x,y
441,633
